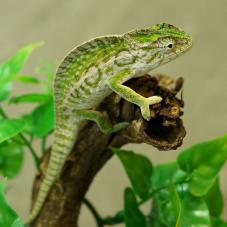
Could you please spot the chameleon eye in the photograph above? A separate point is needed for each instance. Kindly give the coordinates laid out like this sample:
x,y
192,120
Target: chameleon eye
x,y
166,43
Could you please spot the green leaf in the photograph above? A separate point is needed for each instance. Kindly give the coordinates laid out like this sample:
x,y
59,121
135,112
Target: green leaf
x,y
173,205
176,203
214,199
29,126
11,156
48,70
31,98
138,169
27,79
10,128
5,91
43,119
194,212
191,211
203,163
217,222
12,67
166,208
167,173
8,217
133,216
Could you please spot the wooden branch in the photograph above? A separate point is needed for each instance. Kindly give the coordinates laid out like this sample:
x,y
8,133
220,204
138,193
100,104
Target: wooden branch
x,y
165,131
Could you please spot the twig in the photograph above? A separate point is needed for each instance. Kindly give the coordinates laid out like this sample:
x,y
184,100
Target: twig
x,y
95,213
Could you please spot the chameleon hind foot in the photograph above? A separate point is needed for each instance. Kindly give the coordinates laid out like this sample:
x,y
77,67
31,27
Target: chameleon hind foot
x,y
101,119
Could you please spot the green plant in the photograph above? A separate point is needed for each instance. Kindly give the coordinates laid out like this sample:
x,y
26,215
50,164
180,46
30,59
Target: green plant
x,y
17,134
182,193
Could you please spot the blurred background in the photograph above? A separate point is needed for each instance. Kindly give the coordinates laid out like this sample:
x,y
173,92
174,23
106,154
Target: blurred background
x,y
65,24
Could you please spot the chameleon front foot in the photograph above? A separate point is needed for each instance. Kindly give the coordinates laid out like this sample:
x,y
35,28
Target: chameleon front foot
x,y
145,106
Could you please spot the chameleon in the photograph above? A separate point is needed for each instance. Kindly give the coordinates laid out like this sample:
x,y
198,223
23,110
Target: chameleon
x,y
92,71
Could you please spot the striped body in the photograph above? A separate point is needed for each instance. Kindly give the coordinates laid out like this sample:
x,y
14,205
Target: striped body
x,y
82,82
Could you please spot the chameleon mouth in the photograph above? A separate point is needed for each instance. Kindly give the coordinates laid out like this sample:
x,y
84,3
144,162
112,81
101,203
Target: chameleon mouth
x,y
188,44
184,46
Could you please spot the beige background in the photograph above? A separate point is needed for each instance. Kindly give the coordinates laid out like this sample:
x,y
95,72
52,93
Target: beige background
x,y
64,24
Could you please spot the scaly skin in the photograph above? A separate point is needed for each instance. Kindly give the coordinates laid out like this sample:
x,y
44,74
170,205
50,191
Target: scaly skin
x,y
91,72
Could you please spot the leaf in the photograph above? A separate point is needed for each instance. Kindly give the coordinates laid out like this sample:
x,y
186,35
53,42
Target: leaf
x,y
31,98
10,128
173,205
29,126
43,119
12,67
138,169
214,199
133,216
27,79
217,222
167,173
5,91
8,217
48,71
203,162
166,207
176,203
11,156
194,212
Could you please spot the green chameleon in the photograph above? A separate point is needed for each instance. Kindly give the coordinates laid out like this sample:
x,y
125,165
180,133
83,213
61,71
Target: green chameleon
x,y
94,70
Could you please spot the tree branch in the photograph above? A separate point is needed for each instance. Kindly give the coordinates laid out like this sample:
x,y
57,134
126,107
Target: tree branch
x,y
165,131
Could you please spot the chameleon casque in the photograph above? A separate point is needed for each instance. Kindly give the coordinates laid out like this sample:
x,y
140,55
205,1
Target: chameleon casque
x,y
92,71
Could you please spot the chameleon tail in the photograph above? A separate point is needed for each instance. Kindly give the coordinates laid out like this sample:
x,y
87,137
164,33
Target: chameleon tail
x,y
64,138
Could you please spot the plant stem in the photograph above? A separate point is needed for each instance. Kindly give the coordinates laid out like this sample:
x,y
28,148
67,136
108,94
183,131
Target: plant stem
x,y
3,113
35,156
95,213
43,144
117,219
26,142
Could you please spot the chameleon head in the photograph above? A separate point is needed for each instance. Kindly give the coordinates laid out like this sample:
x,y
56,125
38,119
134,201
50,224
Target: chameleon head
x,y
162,42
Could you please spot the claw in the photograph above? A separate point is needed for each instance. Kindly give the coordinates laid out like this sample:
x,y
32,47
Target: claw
x,y
154,99
145,109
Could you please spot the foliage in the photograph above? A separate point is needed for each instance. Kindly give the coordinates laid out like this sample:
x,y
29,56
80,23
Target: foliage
x,y
17,134
8,217
183,193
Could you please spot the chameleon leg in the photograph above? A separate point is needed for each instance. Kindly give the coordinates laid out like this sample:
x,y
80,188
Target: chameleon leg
x,y
127,93
101,120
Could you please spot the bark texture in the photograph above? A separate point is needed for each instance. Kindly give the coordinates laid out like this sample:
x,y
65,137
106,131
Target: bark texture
x,y
165,131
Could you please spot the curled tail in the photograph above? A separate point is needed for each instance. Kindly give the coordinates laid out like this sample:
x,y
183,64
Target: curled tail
x,y
64,139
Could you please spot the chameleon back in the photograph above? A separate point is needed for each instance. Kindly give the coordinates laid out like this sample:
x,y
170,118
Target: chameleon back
x,y
76,64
